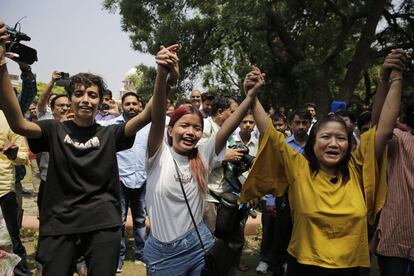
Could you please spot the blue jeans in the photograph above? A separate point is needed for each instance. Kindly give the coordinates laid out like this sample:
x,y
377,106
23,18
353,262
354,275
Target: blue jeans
x,y
182,256
134,198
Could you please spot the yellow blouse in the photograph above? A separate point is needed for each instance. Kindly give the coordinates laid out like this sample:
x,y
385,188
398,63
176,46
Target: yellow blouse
x,y
7,171
329,220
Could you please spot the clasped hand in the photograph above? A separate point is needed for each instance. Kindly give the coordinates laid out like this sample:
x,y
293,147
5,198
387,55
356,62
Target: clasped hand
x,y
253,81
167,58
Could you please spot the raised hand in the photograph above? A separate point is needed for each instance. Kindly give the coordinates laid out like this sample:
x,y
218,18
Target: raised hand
x,y
393,65
167,57
253,81
3,38
56,76
174,68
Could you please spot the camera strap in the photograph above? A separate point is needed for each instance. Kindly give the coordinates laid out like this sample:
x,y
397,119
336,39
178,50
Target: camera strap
x,y
177,169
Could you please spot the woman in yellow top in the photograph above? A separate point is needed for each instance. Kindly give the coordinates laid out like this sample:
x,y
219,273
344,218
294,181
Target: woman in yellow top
x,y
332,192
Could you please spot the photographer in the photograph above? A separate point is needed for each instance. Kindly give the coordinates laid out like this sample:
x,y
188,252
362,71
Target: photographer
x,y
236,173
220,110
43,106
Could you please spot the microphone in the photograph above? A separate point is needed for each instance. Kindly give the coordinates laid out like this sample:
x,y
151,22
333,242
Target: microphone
x,y
334,180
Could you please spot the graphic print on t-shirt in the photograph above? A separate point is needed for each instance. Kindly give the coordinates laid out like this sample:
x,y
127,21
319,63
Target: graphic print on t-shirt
x,y
185,178
91,143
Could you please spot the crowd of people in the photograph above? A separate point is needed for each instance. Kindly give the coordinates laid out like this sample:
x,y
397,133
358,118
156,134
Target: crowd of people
x,y
333,189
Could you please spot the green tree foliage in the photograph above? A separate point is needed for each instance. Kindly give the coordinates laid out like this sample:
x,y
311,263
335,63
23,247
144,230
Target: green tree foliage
x,y
310,50
41,86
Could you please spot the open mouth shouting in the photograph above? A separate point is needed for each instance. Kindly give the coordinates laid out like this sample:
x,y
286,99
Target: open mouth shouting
x,y
188,141
85,108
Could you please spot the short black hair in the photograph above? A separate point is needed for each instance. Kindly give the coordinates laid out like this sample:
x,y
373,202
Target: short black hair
x,y
108,92
310,154
346,113
364,118
127,94
207,96
183,101
278,115
219,103
86,79
310,104
301,113
53,102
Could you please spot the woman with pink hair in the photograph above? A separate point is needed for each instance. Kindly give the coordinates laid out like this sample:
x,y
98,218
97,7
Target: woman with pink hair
x,y
177,169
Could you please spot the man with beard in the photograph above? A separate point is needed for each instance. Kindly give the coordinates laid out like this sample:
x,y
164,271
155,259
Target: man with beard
x,y
299,124
132,174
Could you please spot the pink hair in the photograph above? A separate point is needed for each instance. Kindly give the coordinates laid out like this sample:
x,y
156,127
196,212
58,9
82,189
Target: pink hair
x,y
197,167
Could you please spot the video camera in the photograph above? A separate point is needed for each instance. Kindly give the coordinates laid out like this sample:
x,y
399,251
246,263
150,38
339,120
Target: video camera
x,y
25,54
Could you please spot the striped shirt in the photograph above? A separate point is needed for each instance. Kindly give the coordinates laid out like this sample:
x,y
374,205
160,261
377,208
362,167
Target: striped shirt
x,y
395,233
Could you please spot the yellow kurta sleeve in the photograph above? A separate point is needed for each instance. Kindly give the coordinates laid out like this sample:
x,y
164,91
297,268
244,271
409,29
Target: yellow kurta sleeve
x,y
274,167
373,178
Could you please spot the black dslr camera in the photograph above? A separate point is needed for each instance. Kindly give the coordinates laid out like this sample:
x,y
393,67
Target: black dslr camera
x,y
233,169
246,161
26,54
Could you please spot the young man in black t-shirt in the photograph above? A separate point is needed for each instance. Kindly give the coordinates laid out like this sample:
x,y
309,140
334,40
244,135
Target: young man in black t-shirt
x,y
80,210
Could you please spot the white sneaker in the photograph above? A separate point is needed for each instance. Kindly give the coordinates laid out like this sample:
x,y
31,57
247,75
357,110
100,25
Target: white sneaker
x,y
262,267
138,262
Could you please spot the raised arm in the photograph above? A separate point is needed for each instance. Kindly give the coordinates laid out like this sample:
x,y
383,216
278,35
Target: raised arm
x,y
167,61
395,60
389,112
44,97
8,99
260,117
234,120
29,87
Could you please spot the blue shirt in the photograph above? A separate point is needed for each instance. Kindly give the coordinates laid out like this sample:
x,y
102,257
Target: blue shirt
x,y
294,145
131,162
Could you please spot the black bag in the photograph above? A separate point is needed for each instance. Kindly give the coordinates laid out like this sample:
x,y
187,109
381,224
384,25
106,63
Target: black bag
x,y
218,260
227,215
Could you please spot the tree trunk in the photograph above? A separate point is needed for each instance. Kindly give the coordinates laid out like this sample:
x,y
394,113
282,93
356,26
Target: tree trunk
x,y
322,93
362,50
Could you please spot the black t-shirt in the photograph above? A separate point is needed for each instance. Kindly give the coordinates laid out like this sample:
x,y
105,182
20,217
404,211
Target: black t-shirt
x,y
82,188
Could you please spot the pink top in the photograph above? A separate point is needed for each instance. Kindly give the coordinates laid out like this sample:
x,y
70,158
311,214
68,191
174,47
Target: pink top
x,y
395,233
